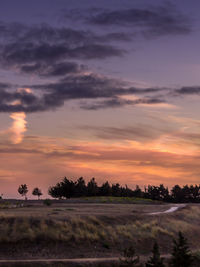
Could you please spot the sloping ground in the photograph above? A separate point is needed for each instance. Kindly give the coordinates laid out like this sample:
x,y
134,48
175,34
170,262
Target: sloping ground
x,y
101,235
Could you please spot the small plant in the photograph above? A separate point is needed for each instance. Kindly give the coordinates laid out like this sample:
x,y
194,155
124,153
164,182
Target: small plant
x,y
106,245
47,202
155,260
129,258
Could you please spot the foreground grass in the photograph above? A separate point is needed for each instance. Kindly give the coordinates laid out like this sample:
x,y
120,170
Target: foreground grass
x,y
103,235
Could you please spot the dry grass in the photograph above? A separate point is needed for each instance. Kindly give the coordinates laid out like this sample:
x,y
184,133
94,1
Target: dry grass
x,y
100,232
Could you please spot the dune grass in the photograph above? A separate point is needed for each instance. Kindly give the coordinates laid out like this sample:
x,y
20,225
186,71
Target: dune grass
x,y
103,231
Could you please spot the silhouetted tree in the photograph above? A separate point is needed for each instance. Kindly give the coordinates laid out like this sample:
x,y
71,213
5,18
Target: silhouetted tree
x,y
68,188
56,191
163,192
195,193
153,192
181,256
126,192
64,189
116,190
137,192
158,192
186,194
80,187
155,260
23,190
177,194
105,189
92,188
37,192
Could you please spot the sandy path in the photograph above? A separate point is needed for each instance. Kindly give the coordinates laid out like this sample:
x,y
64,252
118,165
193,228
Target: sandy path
x,y
170,210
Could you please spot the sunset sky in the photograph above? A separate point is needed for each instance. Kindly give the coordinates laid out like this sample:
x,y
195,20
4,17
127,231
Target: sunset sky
x,y
105,89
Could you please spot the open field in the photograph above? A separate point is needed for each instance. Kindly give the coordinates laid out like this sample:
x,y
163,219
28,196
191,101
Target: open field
x,y
76,230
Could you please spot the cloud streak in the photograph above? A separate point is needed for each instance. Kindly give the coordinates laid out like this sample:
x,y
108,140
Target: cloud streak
x,y
92,90
104,92
149,22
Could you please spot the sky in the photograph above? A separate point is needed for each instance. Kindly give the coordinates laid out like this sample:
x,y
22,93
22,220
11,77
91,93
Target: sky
x,y
105,89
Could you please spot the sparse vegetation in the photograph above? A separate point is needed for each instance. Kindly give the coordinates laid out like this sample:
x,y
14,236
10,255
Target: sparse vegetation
x,y
155,260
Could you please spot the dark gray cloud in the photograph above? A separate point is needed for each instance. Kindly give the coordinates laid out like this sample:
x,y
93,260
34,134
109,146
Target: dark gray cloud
x,y
48,51
94,92
162,20
42,45
57,69
92,86
45,33
102,91
118,102
17,101
44,50
17,54
188,90
4,85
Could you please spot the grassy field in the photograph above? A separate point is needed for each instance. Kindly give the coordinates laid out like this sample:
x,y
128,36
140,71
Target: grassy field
x,y
65,230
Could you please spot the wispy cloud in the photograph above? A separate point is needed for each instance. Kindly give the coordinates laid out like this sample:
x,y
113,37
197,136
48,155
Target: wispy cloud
x,y
147,21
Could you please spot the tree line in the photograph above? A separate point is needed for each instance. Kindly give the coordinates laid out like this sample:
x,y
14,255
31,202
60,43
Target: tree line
x,y
68,189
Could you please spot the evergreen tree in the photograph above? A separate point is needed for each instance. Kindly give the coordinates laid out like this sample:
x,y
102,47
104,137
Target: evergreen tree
x,y
155,260
116,190
177,194
68,188
92,188
105,189
137,192
80,187
181,256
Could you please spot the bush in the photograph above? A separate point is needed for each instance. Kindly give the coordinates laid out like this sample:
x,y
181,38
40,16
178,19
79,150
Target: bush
x,y
47,202
129,258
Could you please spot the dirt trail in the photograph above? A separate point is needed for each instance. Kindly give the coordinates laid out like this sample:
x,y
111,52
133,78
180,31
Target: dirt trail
x,y
170,210
79,260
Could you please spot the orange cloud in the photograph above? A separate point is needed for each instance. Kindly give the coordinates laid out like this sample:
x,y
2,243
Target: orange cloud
x,y
18,127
